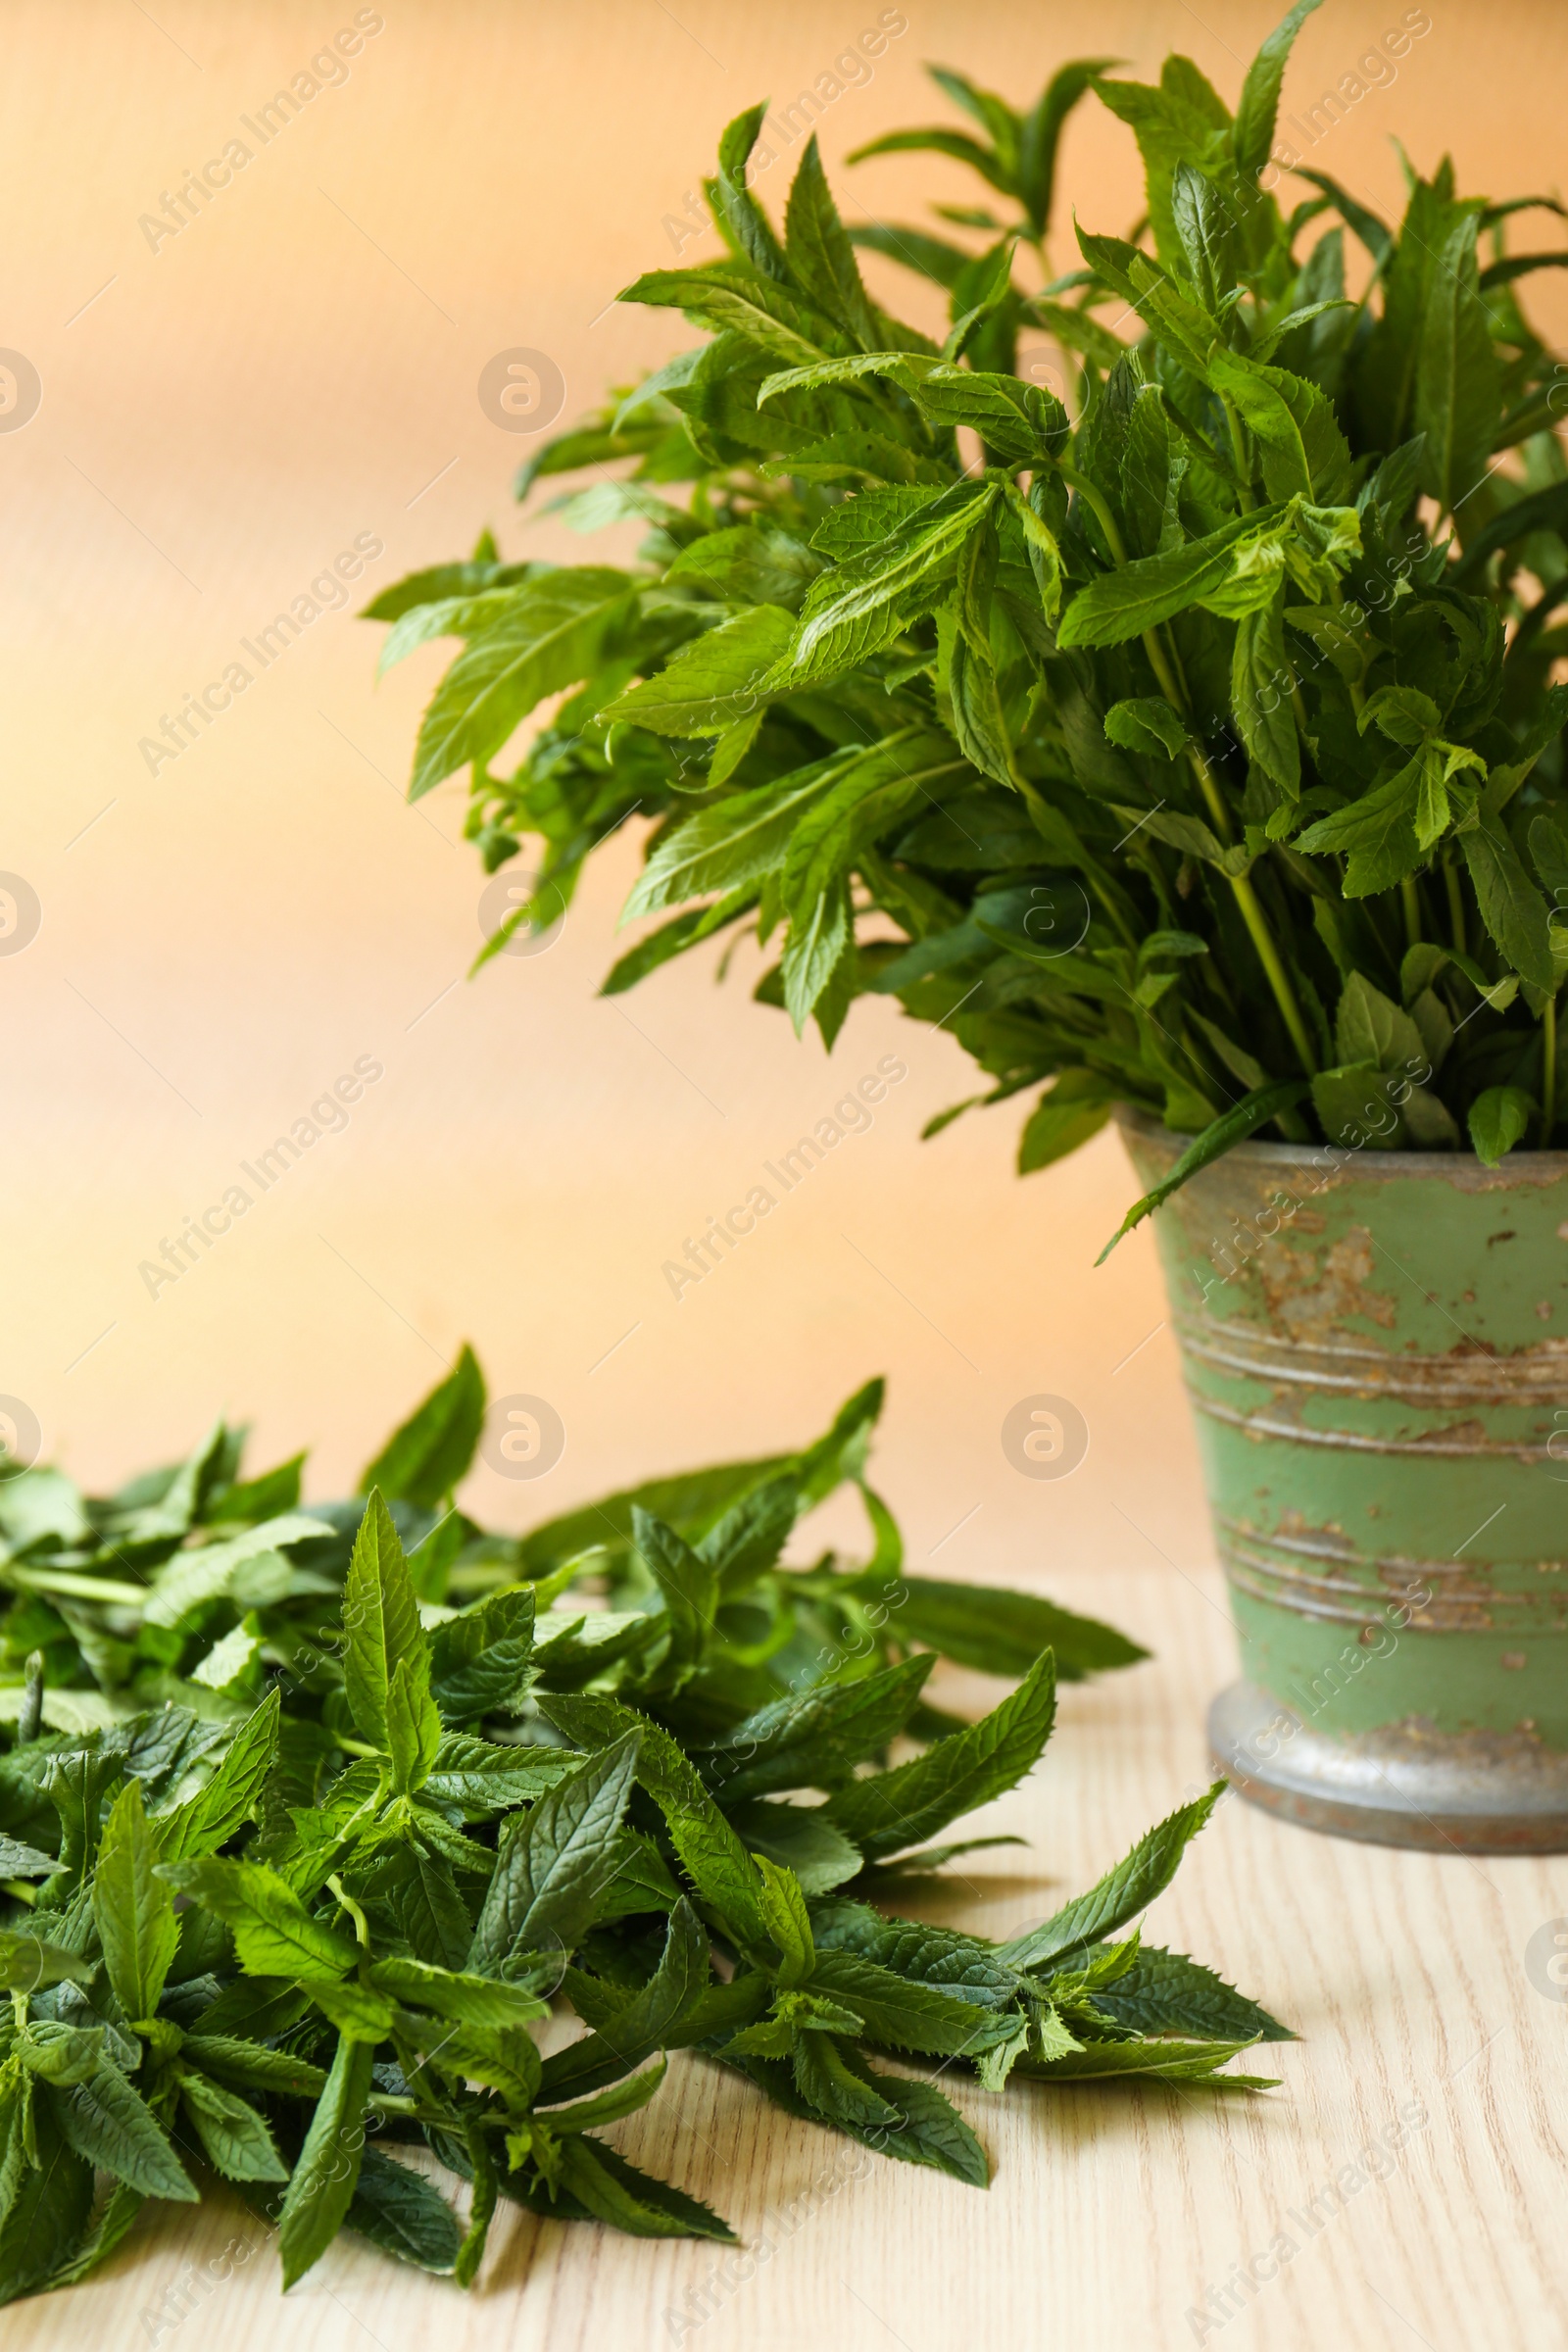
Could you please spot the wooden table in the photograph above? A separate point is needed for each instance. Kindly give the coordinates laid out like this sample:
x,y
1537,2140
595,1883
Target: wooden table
x,y
1411,2160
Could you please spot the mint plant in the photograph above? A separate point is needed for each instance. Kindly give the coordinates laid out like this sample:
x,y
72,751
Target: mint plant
x,y
309,1812
1189,742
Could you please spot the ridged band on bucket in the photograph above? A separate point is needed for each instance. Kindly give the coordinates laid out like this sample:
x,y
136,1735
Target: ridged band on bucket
x,y
1304,1372
1470,1376
1323,1575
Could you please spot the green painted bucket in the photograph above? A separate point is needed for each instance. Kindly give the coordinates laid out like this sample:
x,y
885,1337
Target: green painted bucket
x,y
1375,1344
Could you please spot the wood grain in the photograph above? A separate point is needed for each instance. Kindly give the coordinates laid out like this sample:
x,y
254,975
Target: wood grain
x,y
1112,2212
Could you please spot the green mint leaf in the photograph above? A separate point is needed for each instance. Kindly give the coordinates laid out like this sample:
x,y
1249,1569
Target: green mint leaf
x,y
609,2106
46,2218
997,1632
902,1808
1500,1118
273,1933
784,1913
1369,1027
469,2000
249,1570
28,1963
492,1779
381,1619
1123,603
430,1454
801,1839
359,2014
648,2020
480,1660
748,563
748,1539
770,315
18,1860
1355,1105
554,1863
231,1797
112,2127
251,2065
236,2139
1253,139
1511,907
321,2186
748,223
1165,1993
266,1497
549,635
690,1588
135,1910
1163,2061
1458,396
413,1725
615,2190
1147,724
400,2211
1120,1896
1040,134
900,2014
816,1739
819,257
725,1876
59,2053
1254,1110
863,604
835,2089
712,683
729,845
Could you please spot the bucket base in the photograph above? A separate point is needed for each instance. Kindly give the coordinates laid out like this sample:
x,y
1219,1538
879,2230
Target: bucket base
x,y
1405,1784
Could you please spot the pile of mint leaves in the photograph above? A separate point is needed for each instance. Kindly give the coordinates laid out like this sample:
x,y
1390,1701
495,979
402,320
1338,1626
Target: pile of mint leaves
x,y
311,1814
1190,744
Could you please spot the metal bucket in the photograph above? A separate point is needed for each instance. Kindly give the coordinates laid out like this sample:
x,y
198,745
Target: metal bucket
x,y
1376,1349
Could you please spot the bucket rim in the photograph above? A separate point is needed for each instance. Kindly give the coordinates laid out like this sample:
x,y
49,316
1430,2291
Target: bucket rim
x,y
1461,1169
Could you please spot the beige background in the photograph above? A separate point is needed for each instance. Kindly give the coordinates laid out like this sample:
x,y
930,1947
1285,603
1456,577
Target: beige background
x,y
218,942
295,368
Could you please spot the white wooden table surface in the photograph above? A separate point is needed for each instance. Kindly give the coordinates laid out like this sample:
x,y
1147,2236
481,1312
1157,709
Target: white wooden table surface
x,y
1403,2187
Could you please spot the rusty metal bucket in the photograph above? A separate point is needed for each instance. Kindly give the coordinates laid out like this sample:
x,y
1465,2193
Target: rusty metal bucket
x,y
1375,1344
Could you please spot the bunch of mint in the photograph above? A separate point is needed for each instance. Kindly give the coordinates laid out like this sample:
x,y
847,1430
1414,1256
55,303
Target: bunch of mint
x,y
1187,741
309,1812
